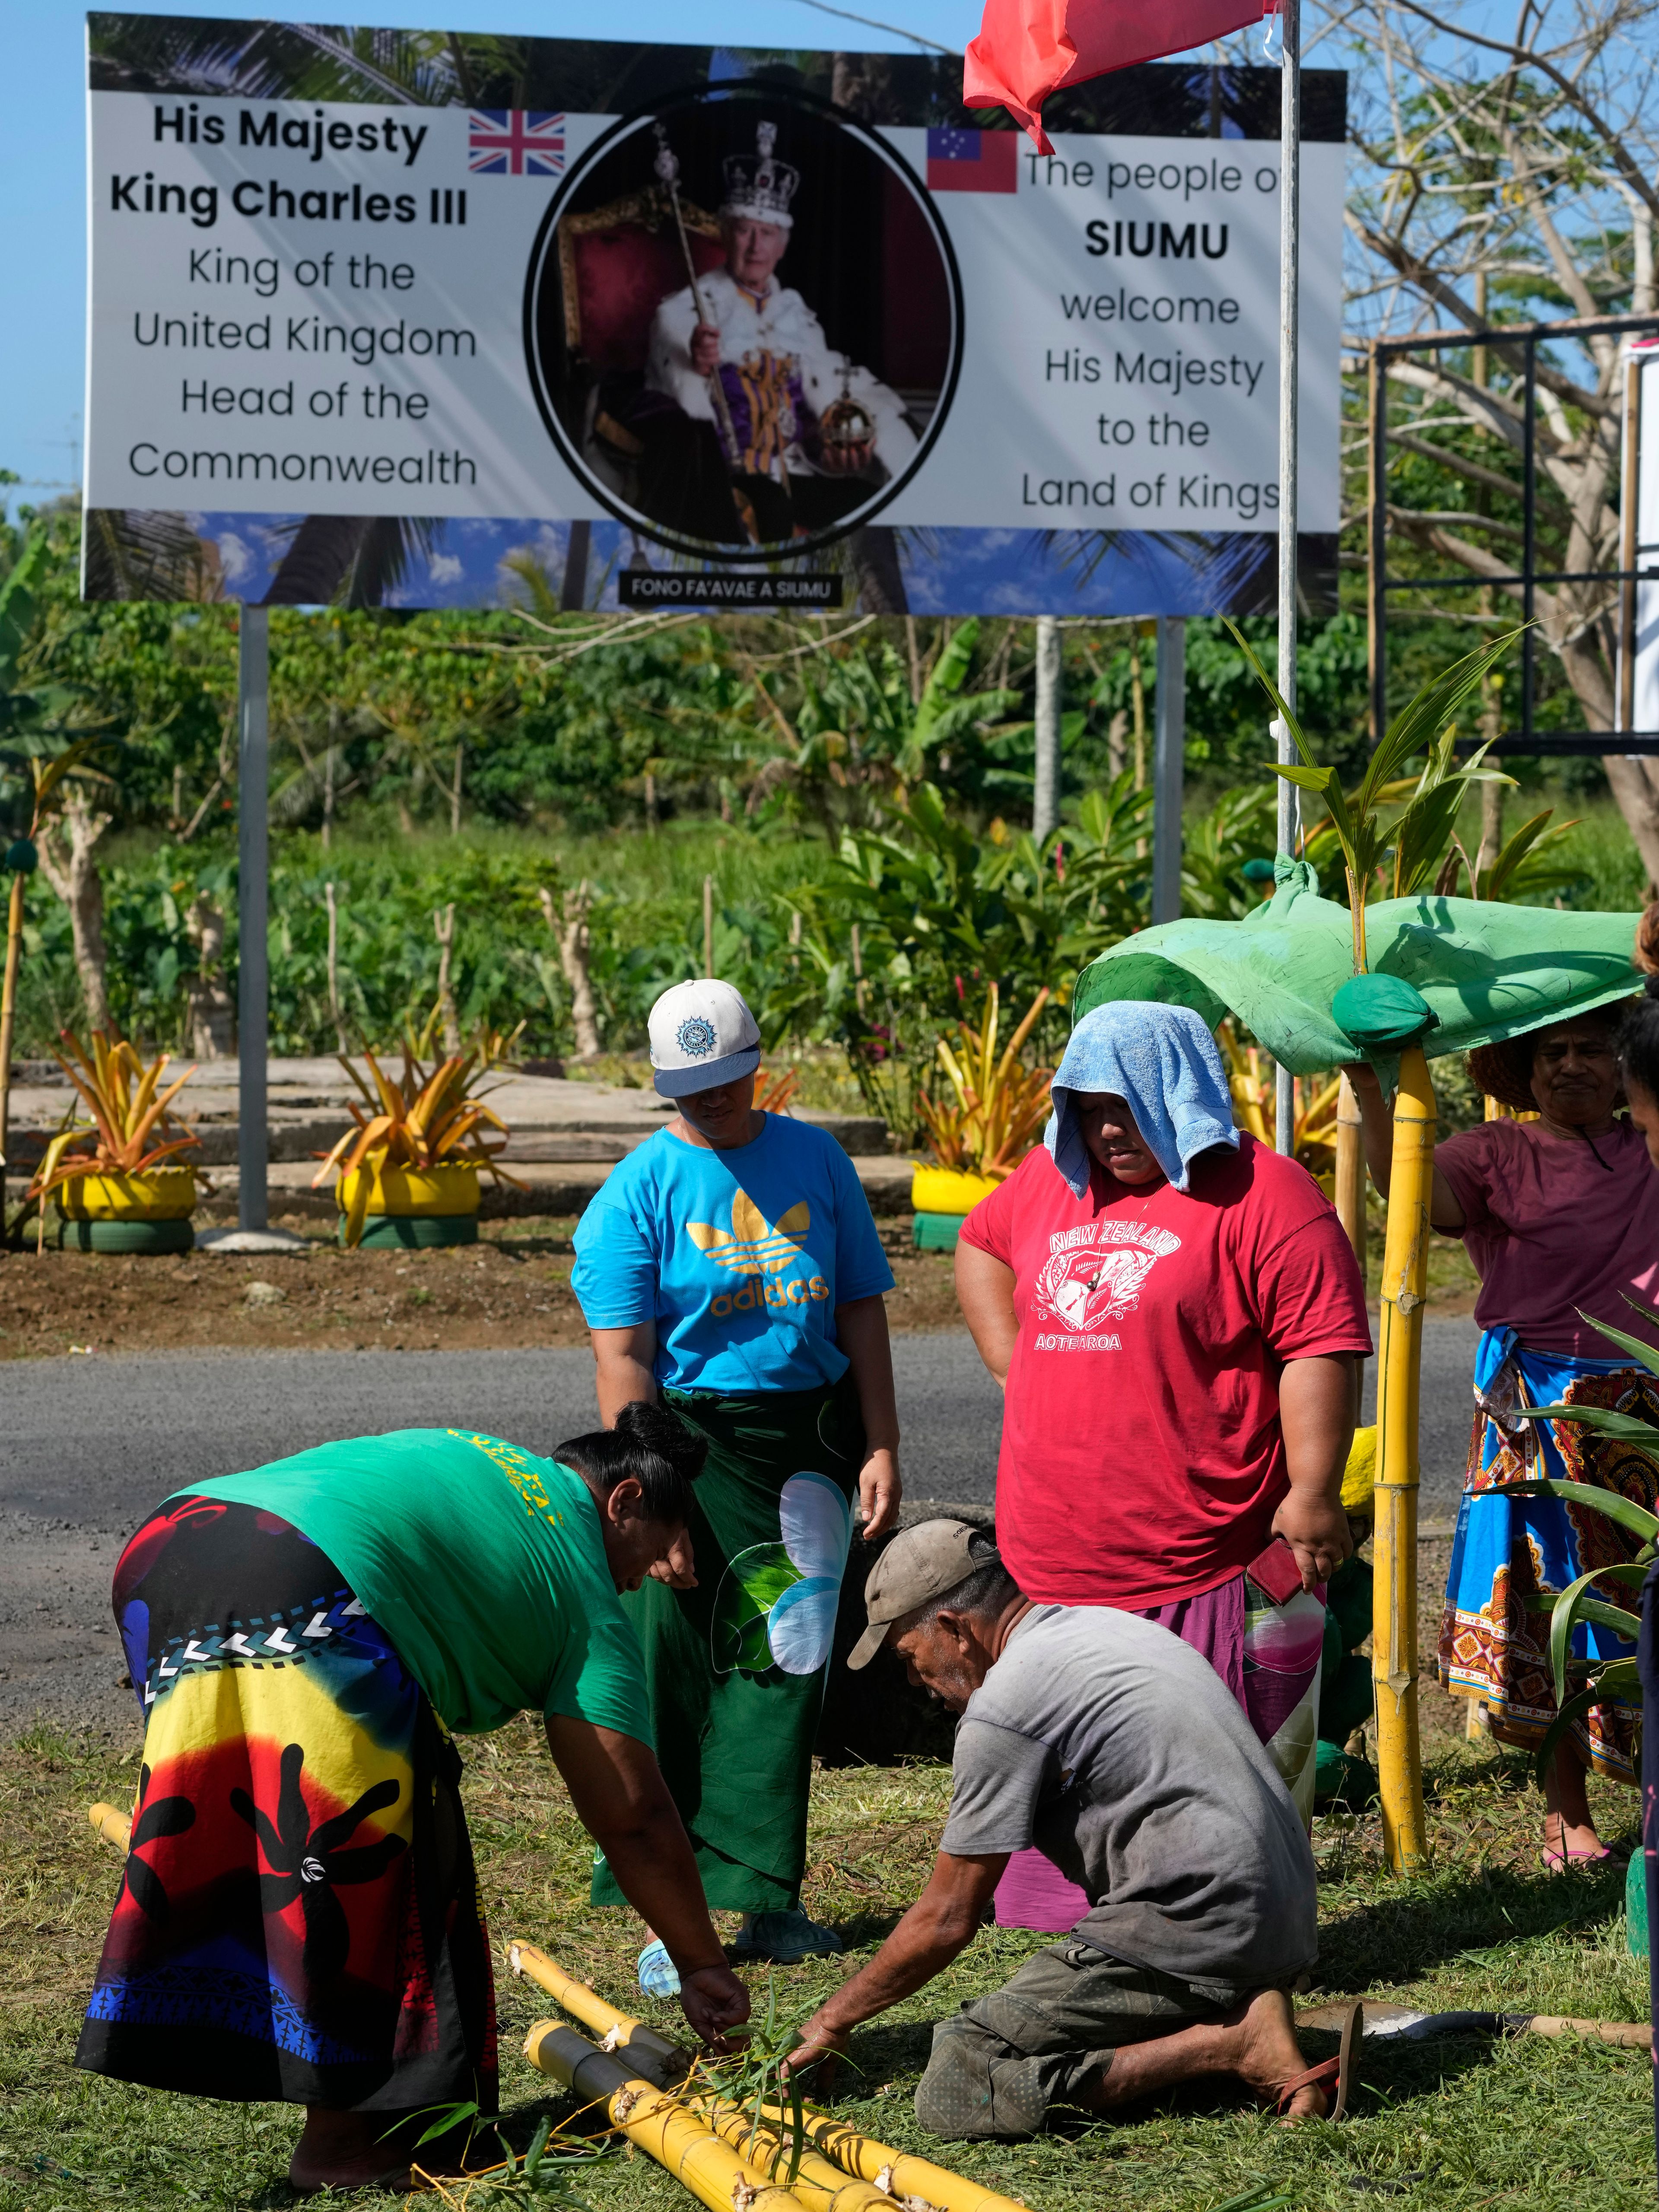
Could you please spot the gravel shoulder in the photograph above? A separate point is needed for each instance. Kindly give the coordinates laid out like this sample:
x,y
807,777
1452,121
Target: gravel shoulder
x,y
510,1290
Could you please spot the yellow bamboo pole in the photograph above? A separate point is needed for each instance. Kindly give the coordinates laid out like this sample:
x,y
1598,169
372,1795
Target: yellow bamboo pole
x,y
1351,1170
652,2054
115,1825
821,2185
896,2174
658,2124
1400,1355
892,2174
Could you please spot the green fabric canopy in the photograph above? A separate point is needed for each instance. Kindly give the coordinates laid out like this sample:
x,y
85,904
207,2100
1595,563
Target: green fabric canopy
x,y
1489,970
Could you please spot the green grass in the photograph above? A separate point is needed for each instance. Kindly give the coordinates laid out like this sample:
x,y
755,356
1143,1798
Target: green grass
x,y
1553,2126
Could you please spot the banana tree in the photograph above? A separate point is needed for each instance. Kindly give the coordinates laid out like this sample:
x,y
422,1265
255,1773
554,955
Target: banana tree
x,y
858,725
1577,1605
1419,835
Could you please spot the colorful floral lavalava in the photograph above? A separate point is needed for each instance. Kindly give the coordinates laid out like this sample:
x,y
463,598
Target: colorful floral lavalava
x,y
776,1602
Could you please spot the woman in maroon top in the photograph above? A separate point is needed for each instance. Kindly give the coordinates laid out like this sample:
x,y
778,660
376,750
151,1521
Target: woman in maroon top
x,y
1175,1314
1560,1215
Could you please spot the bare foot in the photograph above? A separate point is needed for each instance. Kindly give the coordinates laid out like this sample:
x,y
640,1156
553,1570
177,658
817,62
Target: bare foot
x,y
1569,1825
1256,2042
363,2150
1576,1841
1270,2056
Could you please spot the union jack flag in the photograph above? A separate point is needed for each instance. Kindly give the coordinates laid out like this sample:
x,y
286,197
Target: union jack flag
x,y
514,142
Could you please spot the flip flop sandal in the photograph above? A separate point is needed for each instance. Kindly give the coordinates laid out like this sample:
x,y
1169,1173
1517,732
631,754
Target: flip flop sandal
x,y
1332,2074
1558,1861
657,1975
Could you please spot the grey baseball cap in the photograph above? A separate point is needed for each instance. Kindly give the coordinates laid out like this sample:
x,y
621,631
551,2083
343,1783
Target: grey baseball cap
x,y
920,1563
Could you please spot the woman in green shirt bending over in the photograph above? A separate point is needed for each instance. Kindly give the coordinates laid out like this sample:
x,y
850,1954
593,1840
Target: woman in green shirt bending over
x,y
729,1263
299,1918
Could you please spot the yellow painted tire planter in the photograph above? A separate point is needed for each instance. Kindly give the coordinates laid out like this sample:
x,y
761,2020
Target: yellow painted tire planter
x,y
414,1208
158,1194
947,1190
146,1213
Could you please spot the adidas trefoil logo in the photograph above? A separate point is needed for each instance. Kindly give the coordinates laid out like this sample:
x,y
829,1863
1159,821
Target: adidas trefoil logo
x,y
752,1246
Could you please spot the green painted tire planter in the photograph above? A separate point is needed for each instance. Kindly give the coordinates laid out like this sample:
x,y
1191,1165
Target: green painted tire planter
x,y
937,1233
129,1236
415,1232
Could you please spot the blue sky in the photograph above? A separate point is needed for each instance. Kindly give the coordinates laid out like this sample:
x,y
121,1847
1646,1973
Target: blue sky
x,y
43,163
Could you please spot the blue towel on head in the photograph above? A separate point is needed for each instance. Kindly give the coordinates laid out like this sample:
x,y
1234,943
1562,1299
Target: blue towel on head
x,y
1165,1063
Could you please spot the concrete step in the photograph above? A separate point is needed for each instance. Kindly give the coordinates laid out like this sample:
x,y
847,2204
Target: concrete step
x,y
295,1136
550,1189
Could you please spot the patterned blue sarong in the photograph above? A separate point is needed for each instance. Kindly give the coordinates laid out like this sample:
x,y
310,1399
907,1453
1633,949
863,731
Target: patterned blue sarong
x,y
1492,1646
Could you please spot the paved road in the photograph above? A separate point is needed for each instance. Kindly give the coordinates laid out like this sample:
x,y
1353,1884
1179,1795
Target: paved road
x,y
1446,1412
88,1446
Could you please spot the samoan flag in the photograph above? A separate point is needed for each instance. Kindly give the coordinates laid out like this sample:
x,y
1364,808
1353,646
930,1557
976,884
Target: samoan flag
x,y
972,160
514,142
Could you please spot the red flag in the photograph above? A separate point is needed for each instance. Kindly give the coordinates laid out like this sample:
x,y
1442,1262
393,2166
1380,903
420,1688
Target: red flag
x,y
1027,49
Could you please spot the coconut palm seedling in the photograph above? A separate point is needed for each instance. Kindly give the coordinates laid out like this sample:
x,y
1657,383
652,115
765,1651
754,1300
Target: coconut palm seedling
x,y
1416,837
131,1129
1528,861
422,1121
987,1120
1577,1605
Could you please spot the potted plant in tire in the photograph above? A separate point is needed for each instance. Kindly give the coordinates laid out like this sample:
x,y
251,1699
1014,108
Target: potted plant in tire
x,y
409,1168
125,1191
981,1127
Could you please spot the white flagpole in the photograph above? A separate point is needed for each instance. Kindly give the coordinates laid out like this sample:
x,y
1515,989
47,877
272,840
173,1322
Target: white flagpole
x,y
1290,193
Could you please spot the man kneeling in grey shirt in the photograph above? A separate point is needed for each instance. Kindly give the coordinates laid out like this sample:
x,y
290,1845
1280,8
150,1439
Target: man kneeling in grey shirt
x,y
1115,1747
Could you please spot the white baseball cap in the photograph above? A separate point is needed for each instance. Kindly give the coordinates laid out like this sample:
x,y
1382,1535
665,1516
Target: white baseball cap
x,y
703,1035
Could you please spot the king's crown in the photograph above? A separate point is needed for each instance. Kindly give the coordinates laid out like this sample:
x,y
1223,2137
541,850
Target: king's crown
x,y
758,186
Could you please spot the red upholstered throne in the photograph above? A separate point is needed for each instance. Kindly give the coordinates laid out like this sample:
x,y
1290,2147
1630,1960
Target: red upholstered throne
x,y
616,265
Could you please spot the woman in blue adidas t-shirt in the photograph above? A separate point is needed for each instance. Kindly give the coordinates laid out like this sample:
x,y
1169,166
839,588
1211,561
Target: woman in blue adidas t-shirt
x,y
731,1266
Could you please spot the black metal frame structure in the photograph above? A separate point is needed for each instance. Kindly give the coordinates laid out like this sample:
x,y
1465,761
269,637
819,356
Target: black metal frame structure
x,y
1525,338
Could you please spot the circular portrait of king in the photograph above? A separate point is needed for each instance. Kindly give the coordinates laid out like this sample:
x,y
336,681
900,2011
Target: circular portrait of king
x,y
744,323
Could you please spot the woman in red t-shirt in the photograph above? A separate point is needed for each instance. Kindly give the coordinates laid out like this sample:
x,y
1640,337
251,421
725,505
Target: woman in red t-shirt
x,y
1175,1313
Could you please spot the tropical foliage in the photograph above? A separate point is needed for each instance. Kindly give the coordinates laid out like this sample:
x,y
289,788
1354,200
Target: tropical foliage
x,y
859,734
857,797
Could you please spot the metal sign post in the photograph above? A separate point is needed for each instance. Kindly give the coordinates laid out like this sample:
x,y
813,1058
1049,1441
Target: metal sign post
x,y
1290,194
1168,767
253,907
1045,792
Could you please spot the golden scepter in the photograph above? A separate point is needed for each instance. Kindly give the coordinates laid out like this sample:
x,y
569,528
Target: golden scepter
x,y
667,166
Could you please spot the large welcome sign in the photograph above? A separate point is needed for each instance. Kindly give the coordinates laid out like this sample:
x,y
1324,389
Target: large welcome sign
x,y
434,321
